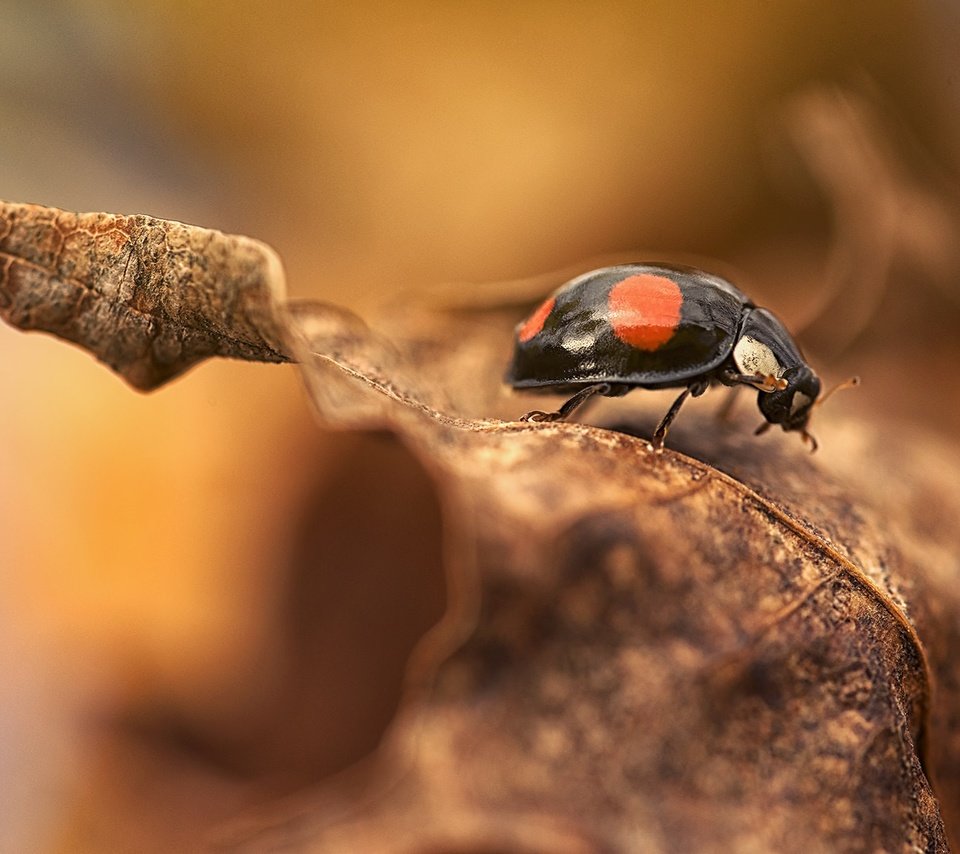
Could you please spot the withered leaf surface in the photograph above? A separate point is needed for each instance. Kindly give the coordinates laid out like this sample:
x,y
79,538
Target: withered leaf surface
x,y
642,652
148,297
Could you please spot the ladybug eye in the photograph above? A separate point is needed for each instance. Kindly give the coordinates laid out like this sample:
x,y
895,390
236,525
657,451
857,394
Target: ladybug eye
x,y
799,403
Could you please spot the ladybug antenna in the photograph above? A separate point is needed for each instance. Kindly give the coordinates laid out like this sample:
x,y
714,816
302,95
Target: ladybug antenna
x,y
809,438
762,428
850,383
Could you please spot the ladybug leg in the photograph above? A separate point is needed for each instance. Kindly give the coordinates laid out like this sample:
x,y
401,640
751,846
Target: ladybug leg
x,y
760,382
573,404
660,434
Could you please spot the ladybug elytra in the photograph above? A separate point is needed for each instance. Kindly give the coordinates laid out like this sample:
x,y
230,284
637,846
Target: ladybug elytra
x,y
654,326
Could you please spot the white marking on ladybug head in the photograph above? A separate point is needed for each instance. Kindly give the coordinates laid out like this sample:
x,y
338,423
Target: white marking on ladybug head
x,y
754,357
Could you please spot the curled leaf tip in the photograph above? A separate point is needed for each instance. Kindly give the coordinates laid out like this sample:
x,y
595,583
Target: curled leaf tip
x,y
148,297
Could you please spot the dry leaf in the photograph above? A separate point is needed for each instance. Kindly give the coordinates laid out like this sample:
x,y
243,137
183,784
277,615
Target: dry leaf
x,y
641,651
645,653
148,297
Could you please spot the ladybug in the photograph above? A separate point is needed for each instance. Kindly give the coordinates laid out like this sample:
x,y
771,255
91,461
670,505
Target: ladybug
x,y
657,326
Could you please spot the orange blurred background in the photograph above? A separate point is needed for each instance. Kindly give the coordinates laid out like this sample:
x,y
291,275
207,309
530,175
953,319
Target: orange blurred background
x,y
151,546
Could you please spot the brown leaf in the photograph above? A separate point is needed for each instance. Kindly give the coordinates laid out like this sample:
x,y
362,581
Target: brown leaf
x,y
709,651
641,652
147,296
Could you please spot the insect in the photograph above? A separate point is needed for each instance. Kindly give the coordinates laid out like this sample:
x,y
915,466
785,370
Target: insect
x,y
654,326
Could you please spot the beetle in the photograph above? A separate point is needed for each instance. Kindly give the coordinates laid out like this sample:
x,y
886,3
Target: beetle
x,y
655,326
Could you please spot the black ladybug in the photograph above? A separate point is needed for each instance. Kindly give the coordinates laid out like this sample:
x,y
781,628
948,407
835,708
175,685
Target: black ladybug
x,y
654,326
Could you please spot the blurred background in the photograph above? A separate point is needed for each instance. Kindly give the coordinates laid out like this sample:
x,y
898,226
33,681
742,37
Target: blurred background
x,y
202,606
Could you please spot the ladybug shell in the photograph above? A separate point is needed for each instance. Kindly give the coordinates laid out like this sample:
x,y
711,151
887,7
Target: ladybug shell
x,y
635,324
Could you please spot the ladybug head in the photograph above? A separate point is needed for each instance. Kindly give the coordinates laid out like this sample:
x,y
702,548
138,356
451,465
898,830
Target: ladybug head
x,y
790,406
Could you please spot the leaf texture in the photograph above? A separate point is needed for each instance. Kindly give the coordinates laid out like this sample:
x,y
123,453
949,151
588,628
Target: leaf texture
x,y
642,652
148,297
720,649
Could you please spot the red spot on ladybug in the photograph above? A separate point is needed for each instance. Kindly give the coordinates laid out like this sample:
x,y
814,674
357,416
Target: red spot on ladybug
x,y
534,324
644,310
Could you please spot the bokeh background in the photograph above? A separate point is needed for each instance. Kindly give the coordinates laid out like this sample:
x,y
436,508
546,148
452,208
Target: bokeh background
x,y
206,600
